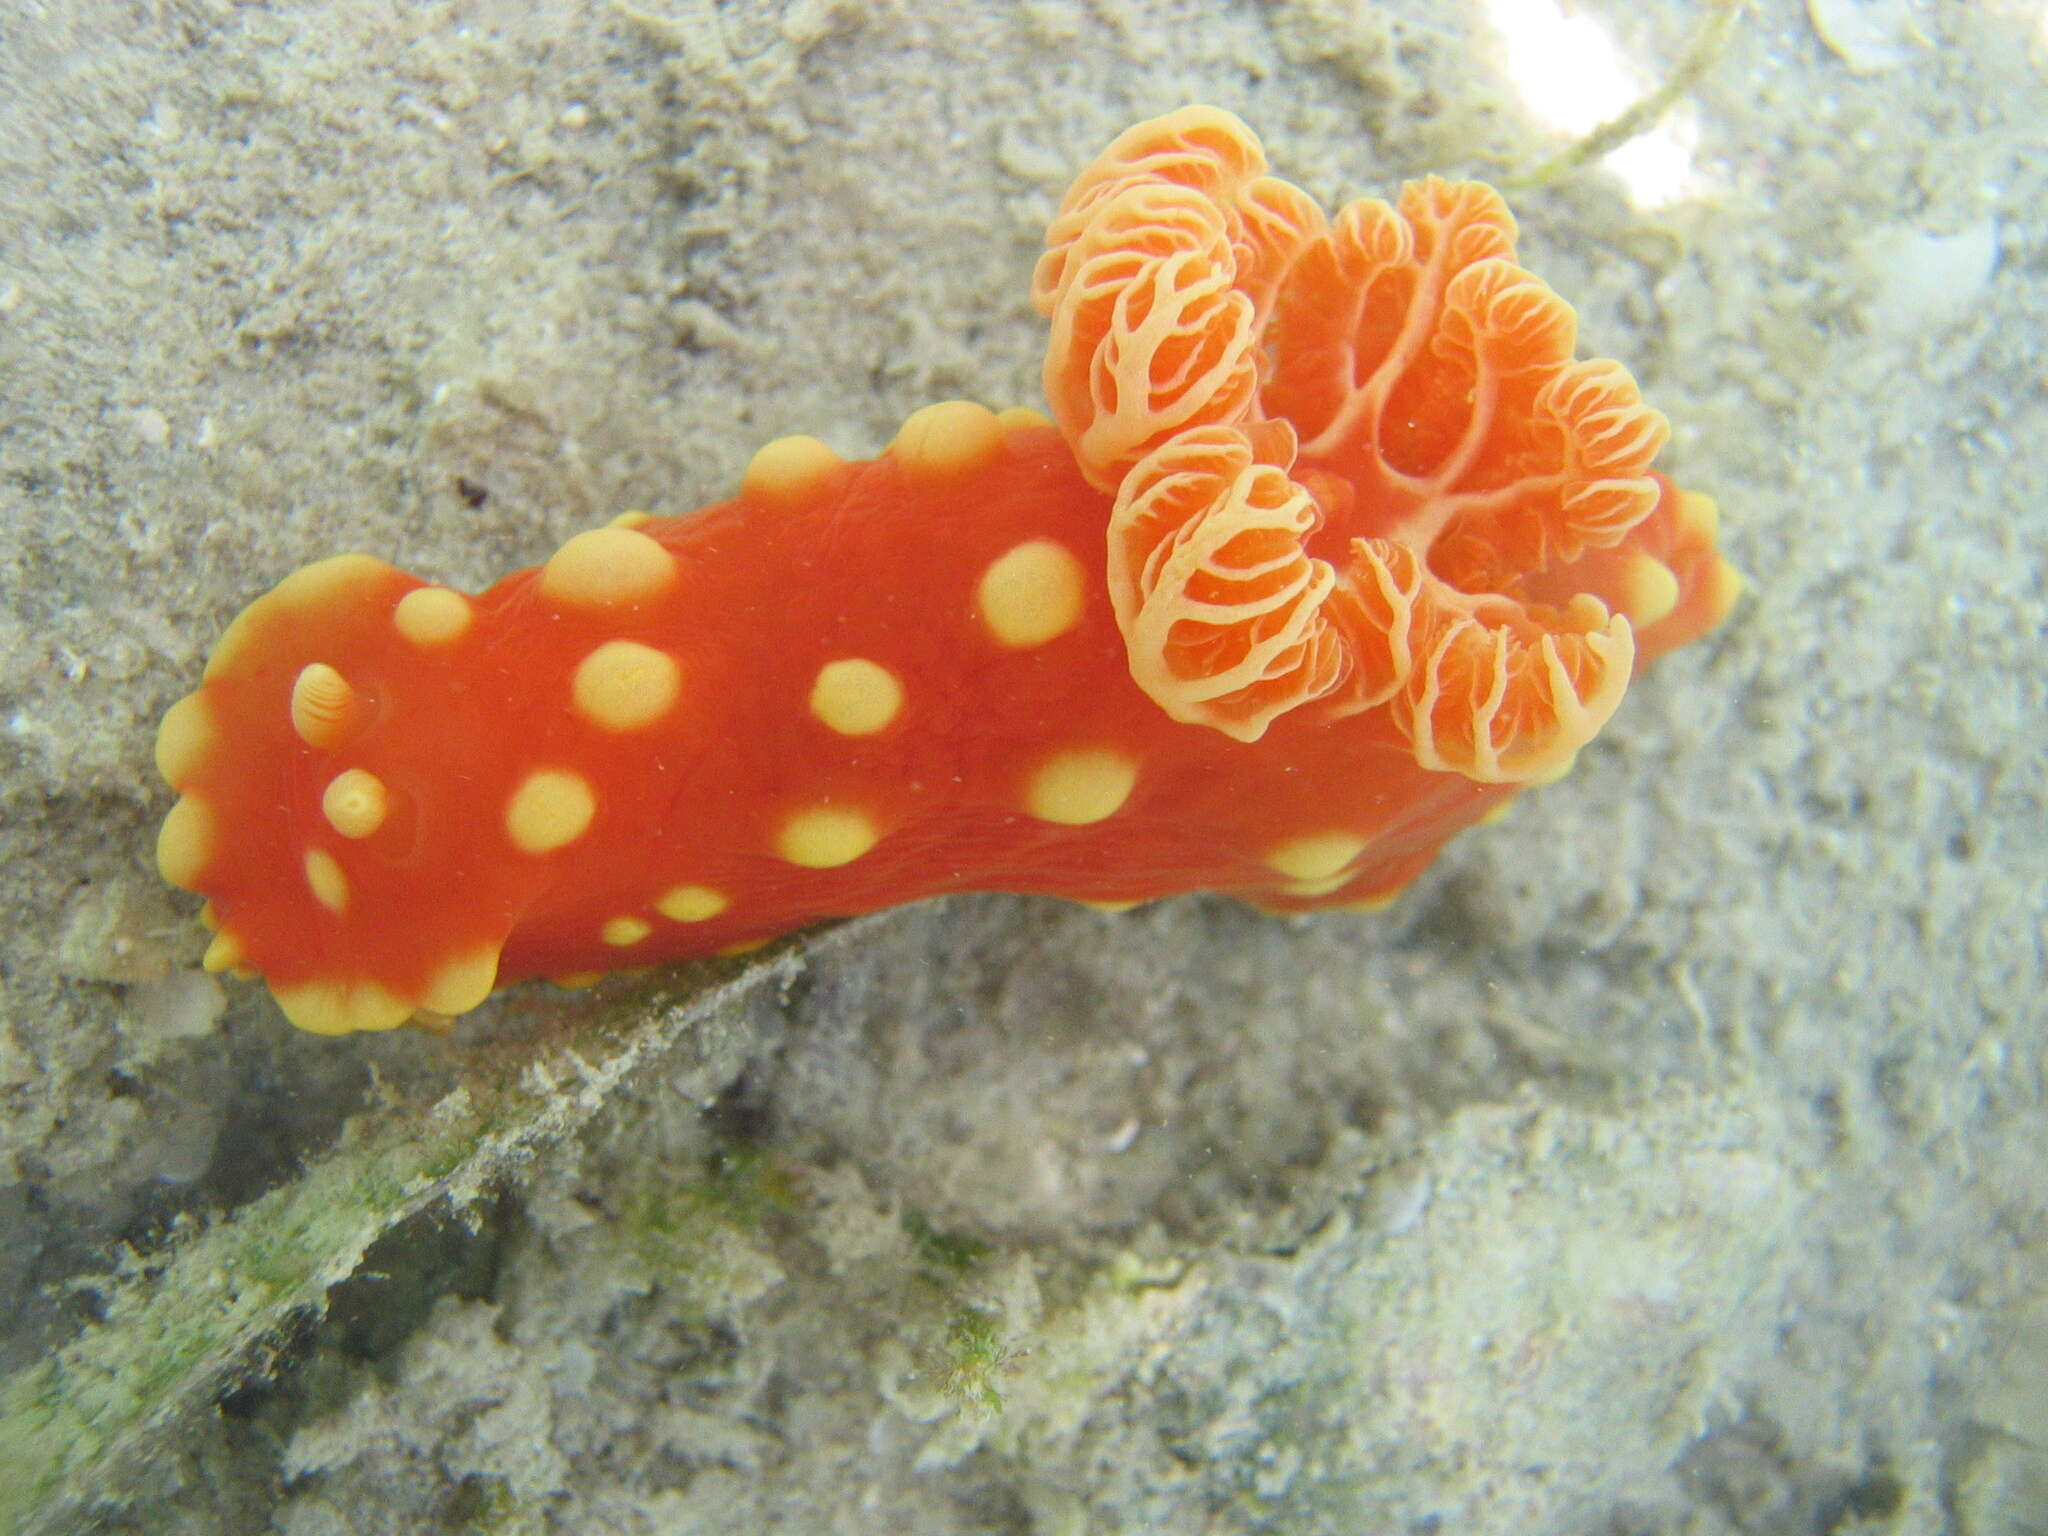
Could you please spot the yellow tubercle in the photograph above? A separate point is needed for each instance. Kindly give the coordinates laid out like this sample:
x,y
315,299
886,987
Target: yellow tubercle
x,y
856,697
948,437
1375,903
691,903
184,844
327,882
1082,786
549,810
626,686
1032,594
826,837
1698,517
607,568
625,932
323,582
1649,590
341,1007
432,616
355,803
185,739
462,983
1317,856
225,953
1308,889
315,585
788,467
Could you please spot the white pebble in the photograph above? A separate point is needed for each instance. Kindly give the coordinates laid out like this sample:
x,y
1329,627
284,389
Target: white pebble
x,y
151,427
1914,280
181,1006
1870,36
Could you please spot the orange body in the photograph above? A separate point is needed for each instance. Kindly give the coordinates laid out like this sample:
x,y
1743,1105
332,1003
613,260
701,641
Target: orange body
x,y
861,684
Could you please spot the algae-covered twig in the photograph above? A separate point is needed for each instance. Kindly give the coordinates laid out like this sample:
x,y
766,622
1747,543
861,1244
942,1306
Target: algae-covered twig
x,y
976,1353
80,1430
1700,57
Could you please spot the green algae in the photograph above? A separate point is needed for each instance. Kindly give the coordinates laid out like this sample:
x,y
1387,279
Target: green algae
x,y
80,1430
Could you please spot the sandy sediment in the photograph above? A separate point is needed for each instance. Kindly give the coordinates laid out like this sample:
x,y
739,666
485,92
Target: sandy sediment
x,y
1670,1159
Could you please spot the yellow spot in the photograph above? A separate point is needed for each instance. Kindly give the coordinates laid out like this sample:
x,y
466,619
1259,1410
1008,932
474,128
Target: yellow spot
x,y
355,803
1308,889
1496,814
1586,611
576,981
624,932
462,983
1378,903
341,1007
950,436
1725,589
1112,906
743,947
431,616
326,710
788,467
326,881
607,568
225,953
209,919
1649,591
1317,856
1032,594
1020,417
856,697
1699,517
550,810
692,903
625,686
1085,785
184,844
184,739
324,582
826,837
631,520
310,586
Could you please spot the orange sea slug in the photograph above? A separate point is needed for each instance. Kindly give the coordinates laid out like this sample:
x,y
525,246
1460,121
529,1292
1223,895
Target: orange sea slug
x,y
1330,546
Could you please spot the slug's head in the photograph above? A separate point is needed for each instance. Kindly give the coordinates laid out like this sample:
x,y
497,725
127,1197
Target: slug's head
x,y
326,771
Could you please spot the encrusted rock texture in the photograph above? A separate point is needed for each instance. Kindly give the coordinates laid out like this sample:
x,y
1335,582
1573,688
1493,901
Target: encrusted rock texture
x,y
1672,1159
